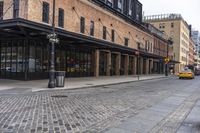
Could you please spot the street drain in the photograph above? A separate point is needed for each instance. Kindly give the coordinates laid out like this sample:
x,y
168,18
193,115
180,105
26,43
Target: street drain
x,y
59,96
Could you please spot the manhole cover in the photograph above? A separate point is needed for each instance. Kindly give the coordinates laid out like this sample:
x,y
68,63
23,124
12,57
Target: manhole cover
x,y
89,84
59,96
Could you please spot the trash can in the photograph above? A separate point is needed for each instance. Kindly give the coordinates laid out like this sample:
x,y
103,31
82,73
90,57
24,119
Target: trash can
x,y
60,78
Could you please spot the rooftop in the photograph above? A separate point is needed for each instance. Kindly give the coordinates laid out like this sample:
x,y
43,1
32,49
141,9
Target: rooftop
x,y
171,16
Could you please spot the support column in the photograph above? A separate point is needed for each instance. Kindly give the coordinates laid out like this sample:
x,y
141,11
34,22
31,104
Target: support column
x,y
135,65
108,67
126,64
141,65
118,64
147,66
96,66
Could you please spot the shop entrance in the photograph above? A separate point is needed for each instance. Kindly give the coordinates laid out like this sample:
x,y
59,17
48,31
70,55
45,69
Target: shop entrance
x,y
131,65
113,64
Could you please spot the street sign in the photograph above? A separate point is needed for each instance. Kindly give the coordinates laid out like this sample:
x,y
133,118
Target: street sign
x,y
54,35
167,60
161,60
53,38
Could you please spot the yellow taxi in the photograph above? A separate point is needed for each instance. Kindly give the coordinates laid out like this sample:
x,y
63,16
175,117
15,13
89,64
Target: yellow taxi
x,y
187,73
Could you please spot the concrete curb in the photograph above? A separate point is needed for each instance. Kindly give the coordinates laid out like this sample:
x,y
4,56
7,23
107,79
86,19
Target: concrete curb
x,y
94,86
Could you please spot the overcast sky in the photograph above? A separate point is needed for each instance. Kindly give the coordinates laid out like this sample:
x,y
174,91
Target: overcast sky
x,y
189,9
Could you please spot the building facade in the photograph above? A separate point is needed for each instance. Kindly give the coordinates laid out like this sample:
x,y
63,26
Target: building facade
x,y
195,35
175,27
97,38
191,54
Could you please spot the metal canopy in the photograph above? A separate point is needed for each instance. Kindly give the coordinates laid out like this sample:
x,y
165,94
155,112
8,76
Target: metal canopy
x,y
28,29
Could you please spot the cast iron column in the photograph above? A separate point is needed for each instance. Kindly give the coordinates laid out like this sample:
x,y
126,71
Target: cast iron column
x,y
52,55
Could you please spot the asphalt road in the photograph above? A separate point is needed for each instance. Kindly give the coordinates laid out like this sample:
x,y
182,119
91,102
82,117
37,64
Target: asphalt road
x,y
160,105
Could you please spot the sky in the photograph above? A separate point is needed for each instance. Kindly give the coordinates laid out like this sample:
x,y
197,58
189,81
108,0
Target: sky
x,y
189,9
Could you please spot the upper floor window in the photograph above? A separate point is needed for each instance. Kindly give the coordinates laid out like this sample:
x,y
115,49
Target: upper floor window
x,y
113,35
126,41
45,12
120,5
138,12
130,8
15,8
109,2
1,10
104,32
82,25
61,18
162,25
172,25
92,28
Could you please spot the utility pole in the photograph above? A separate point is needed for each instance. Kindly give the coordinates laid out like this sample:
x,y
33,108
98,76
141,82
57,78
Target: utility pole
x,y
52,39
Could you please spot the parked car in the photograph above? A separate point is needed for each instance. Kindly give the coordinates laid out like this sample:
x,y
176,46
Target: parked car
x,y
186,73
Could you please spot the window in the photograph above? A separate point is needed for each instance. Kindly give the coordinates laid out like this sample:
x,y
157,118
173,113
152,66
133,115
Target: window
x,y
172,25
1,10
126,41
120,5
92,28
45,12
104,32
16,9
162,25
82,25
138,11
109,2
113,35
61,18
130,8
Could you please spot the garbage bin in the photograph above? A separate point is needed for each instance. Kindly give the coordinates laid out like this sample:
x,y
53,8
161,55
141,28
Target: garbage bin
x,y
60,78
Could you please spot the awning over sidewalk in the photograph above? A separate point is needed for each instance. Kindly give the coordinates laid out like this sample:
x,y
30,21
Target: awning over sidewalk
x,y
29,29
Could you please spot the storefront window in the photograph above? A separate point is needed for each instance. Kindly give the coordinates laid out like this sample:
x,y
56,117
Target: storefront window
x,y
32,59
14,59
45,62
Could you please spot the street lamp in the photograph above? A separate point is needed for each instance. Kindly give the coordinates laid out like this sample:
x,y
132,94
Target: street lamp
x,y
52,39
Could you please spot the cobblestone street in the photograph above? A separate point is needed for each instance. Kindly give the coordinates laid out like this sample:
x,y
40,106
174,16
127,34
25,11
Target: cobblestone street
x,y
98,109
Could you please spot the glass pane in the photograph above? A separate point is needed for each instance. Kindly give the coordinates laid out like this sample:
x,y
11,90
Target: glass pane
x,y
20,59
14,59
38,59
3,57
8,59
32,59
45,62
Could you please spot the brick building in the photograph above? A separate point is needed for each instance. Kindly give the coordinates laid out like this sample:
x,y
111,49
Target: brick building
x,y
97,38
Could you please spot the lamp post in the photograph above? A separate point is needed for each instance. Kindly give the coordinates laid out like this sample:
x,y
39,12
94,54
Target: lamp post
x,y
52,39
